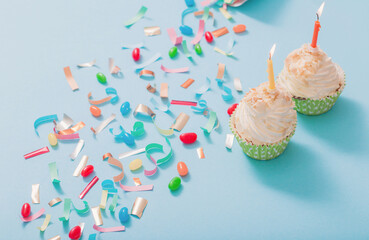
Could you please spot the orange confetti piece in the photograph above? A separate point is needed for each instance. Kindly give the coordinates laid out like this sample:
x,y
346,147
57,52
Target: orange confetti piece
x,y
187,83
72,83
164,90
220,32
73,129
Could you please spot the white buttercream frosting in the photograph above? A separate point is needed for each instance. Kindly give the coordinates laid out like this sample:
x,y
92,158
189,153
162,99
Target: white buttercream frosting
x,y
309,73
265,116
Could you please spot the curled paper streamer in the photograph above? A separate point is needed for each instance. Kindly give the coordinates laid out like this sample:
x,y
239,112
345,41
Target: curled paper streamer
x,y
175,70
53,172
82,226
138,16
153,171
109,186
138,129
131,153
35,194
185,50
220,74
180,122
67,208
65,123
112,68
110,91
228,96
123,136
173,36
187,83
161,107
199,33
73,129
184,103
54,201
164,90
237,84
103,124
205,14
118,164
137,181
57,237
45,224
34,216
106,156
111,229
203,89
92,236
220,32
98,102
138,207
152,31
67,137
70,79
146,73
151,88
88,187
87,64
207,2
187,11
104,198
136,188
200,153
145,110
201,108
132,46
78,149
44,119
113,205
97,215
225,13
229,141
153,59
228,52
36,153
159,147
81,165
210,125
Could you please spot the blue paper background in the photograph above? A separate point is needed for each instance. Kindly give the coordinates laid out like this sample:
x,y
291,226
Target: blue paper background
x,y
318,189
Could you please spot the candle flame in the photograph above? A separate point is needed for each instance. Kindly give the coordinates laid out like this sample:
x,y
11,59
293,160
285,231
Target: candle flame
x,y
320,10
272,50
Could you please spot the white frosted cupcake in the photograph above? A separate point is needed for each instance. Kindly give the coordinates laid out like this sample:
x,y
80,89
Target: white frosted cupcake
x,y
313,80
264,121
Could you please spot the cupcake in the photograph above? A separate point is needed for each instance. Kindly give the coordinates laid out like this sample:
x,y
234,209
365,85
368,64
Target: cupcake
x,y
264,122
313,80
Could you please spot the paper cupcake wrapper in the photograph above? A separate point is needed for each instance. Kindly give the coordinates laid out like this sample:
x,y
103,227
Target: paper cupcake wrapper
x,y
261,152
317,107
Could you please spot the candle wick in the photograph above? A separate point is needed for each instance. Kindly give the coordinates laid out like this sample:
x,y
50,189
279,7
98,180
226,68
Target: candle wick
x,y
317,16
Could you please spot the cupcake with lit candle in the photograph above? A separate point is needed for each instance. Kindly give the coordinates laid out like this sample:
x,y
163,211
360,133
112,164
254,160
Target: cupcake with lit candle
x,y
265,119
311,77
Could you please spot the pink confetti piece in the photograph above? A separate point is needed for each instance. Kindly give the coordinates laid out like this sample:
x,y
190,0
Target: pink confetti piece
x,y
173,36
66,137
36,153
111,229
151,172
199,33
88,187
175,70
206,2
34,216
185,103
136,188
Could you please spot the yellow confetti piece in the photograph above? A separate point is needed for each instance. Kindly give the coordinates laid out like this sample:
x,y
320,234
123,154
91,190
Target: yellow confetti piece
x,y
45,224
225,13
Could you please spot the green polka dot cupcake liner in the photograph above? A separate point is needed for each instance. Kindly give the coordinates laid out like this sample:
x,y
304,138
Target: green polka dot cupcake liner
x,y
316,107
260,152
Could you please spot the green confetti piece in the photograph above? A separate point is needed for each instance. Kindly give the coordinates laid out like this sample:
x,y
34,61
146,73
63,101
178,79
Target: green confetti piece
x,y
138,16
113,205
67,208
158,147
185,50
53,172
210,125
138,129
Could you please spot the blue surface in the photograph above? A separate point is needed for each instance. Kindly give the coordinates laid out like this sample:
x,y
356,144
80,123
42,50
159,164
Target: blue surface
x,y
318,189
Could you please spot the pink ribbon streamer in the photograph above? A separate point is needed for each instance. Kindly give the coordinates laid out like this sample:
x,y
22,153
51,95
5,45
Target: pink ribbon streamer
x,y
175,70
151,172
36,153
206,2
136,188
173,36
111,229
199,33
185,103
34,216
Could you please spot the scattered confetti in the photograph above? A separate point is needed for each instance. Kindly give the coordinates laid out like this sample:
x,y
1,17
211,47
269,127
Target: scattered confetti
x,y
36,153
34,216
152,31
70,79
87,64
35,195
175,70
220,32
138,16
200,153
187,83
54,201
139,206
